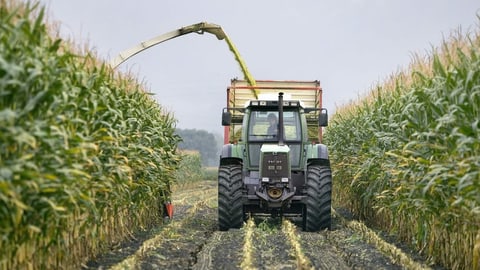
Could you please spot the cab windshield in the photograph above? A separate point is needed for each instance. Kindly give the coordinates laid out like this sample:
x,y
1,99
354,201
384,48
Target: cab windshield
x,y
263,126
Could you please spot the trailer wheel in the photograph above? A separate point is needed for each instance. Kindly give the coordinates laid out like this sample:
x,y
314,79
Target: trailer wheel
x,y
230,191
317,210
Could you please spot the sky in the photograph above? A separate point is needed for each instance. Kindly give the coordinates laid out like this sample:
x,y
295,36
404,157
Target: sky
x,y
348,45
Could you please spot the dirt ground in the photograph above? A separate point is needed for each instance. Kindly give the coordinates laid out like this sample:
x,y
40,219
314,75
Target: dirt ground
x,y
191,240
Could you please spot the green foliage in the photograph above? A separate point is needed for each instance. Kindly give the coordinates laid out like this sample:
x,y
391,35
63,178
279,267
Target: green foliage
x,y
210,173
190,168
85,156
203,142
411,157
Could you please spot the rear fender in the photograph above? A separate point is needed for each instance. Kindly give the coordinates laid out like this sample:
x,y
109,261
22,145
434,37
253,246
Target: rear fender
x,y
232,154
317,154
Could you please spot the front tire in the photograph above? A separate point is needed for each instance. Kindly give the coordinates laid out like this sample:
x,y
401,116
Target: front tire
x,y
317,211
230,201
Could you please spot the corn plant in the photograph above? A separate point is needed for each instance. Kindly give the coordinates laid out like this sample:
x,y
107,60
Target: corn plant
x,y
85,154
407,157
190,167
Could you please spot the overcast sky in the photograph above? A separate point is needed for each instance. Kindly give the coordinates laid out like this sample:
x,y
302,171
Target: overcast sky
x,y
348,45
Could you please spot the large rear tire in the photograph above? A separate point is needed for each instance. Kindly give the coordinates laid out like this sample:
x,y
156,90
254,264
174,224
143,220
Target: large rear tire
x,y
230,201
317,211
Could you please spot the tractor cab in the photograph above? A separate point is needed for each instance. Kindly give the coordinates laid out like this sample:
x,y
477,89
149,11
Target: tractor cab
x,y
267,127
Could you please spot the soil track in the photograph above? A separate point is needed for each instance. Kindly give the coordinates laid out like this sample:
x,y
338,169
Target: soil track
x,y
191,241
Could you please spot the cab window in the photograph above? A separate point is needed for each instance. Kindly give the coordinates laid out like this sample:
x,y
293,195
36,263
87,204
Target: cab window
x,y
263,126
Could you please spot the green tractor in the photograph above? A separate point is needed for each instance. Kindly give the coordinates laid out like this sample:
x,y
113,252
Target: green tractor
x,y
273,169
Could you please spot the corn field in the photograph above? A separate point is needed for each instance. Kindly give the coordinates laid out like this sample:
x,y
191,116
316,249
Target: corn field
x,y
406,158
190,167
86,155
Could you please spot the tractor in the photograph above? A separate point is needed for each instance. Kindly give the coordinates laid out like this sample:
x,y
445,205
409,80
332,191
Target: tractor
x,y
272,165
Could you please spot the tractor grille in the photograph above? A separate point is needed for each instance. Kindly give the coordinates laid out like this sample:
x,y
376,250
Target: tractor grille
x,y
275,166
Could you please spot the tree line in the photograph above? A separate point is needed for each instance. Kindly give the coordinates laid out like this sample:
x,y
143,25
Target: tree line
x,y
206,143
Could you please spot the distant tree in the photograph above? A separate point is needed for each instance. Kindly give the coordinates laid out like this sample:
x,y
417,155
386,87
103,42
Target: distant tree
x,y
202,141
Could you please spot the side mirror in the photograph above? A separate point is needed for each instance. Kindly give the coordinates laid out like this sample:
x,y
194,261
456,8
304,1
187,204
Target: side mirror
x,y
323,118
226,117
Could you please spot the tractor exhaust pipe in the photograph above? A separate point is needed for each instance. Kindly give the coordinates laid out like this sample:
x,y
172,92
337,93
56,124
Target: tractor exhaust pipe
x,y
280,119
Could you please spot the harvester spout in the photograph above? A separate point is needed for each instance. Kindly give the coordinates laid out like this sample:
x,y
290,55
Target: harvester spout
x,y
198,28
214,29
